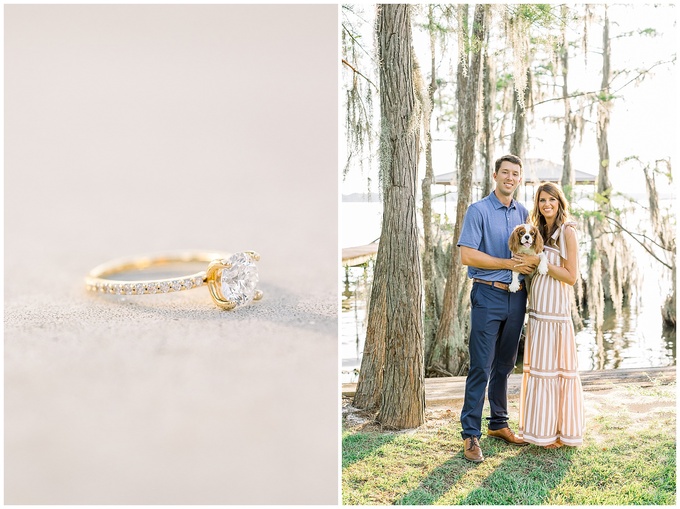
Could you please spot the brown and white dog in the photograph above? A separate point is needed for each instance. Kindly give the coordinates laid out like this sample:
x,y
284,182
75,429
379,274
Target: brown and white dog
x,y
526,239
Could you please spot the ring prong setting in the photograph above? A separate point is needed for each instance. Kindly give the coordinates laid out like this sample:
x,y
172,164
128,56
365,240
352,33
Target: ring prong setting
x,y
253,255
232,281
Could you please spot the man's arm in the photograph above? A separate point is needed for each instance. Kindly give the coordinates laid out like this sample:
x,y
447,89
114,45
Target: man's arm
x,y
475,258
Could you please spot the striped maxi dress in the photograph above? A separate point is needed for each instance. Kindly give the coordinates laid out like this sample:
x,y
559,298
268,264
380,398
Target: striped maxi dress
x,y
551,398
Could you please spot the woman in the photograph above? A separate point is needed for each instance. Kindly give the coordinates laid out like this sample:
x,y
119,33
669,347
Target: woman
x,y
551,400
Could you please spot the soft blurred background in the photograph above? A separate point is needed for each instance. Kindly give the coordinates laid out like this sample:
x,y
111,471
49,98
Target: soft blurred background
x,y
134,129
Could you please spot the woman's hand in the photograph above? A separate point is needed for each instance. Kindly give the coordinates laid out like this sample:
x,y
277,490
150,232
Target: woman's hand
x,y
526,260
523,263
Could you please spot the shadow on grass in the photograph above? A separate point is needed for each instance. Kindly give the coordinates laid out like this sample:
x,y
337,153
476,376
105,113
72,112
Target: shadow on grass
x,y
358,446
523,476
437,483
527,478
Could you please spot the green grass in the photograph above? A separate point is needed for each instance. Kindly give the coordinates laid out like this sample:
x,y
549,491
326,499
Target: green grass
x,y
618,464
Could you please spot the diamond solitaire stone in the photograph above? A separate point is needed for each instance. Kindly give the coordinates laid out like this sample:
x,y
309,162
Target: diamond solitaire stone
x,y
238,282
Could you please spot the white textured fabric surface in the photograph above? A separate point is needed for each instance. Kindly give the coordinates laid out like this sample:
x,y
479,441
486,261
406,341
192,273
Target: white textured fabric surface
x,y
138,129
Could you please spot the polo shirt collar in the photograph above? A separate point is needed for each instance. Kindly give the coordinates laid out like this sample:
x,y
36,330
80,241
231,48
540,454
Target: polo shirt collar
x,y
497,203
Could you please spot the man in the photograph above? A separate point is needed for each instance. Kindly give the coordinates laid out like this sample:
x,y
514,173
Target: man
x,y
497,314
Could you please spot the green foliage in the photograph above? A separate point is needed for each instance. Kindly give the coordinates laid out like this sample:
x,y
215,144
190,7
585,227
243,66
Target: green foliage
x,y
503,81
579,213
602,199
649,32
536,14
440,23
568,192
545,68
605,96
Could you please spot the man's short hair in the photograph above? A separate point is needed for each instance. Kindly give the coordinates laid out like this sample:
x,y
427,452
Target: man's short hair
x,y
509,158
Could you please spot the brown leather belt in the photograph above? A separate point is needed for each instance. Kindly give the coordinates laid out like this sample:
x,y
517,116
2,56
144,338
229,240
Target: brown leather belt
x,y
497,284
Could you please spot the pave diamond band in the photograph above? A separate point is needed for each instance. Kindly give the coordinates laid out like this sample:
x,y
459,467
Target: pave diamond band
x,y
148,287
231,279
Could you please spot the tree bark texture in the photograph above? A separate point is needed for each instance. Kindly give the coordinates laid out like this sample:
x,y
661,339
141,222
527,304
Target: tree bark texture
x,y
431,314
665,234
604,106
519,136
403,397
595,290
370,382
449,355
568,178
669,309
489,92
462,75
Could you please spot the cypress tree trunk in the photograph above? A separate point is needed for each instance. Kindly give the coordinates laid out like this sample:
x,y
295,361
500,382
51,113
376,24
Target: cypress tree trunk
x,y
619,274
519,131
599,262
450,355
431,315
665,235
604,106
489,91
403,398
370,383
568,178
669,309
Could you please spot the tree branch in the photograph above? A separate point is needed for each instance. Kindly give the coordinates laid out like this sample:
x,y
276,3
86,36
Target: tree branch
x,y
356,41
356,71
596,92
645,246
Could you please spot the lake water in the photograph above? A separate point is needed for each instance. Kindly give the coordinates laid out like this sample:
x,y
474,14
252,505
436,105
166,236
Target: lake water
x,y
636,339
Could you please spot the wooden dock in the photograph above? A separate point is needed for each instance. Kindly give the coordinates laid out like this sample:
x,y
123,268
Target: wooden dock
x,y
447,390
352,256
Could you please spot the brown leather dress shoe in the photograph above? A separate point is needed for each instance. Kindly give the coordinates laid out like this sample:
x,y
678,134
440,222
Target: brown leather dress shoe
x,y
472,450
506,435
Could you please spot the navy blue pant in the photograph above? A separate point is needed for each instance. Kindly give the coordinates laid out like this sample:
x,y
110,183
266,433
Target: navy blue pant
x,y
496,321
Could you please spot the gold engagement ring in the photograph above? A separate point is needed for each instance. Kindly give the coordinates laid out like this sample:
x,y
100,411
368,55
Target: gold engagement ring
x,y
231,279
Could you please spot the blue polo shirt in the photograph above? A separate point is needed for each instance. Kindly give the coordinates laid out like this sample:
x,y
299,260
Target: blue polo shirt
x,y
487,227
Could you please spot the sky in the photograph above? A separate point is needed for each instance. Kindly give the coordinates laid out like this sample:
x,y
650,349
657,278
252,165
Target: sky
x,y
643,121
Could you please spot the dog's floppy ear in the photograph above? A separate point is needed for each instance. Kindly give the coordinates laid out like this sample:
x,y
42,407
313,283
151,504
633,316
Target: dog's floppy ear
x,y
538,240
513,241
